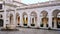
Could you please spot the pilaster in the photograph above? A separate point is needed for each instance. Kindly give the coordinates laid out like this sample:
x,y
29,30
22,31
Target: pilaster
x,y
21,20
29,23
50,20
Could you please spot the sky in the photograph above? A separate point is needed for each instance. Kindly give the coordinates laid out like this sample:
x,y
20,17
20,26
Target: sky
x,y
32,1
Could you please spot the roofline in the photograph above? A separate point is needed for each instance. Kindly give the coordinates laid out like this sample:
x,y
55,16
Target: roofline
x,y
38,6
20,3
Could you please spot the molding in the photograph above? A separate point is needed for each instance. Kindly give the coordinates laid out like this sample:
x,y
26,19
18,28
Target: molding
x,y
1,10
39,6
10,10
9,4
20,3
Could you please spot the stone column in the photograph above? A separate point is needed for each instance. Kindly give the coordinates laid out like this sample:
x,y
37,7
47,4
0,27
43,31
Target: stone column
x,y
21,20
32,17
4,24
55,22
9,17
50,20
44,25
34,21
44,22
15,19
38,20
25,19
4,19
29,22
13,23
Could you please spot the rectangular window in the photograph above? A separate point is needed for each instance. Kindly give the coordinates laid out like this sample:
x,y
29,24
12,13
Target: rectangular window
x,y
0,6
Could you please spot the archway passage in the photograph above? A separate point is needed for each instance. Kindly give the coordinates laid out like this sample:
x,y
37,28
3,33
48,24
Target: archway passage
x,y
44,19
25,19
56,19
11,19
44,22
33,18
17,19
1,22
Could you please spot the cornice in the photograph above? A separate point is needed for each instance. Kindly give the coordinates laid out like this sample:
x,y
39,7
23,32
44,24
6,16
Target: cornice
x,y
20,3
39,6
9,4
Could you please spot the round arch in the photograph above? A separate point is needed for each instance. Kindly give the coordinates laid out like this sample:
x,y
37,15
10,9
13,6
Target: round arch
x,y
55,12
44,19
44,13
33,18
17,18
25,19
56,18
11,19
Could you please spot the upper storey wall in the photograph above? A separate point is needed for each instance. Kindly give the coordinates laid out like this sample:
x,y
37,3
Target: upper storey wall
x,y
54,0
44,4
14,2
18,0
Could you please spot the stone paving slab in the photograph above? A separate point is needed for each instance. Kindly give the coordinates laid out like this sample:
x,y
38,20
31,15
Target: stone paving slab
x,y
30,31
42,28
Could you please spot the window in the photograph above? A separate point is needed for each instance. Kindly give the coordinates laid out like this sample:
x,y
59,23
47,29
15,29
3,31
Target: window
x,y
0,6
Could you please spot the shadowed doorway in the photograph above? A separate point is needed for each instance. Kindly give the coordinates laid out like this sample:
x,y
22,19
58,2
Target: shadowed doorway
x,y
1,22
56,19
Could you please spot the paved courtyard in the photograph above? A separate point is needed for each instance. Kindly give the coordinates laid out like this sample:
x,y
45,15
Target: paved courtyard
x,y
30,31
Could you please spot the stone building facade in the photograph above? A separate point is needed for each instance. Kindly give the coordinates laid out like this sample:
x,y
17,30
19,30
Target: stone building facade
x,y
39,15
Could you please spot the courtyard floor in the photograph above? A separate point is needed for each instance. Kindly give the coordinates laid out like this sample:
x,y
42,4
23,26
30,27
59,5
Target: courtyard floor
x,y
30,31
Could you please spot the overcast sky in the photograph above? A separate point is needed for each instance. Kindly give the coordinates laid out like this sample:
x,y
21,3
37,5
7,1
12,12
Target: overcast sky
x,y
32,1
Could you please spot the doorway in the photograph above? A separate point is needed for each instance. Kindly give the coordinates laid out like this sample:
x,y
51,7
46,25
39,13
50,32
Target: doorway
x,y
1,23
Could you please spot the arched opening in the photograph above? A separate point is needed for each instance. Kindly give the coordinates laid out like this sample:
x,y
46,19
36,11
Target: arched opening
x,y
1,22
25,19
44,18
17,19
11,19
56,19
33,18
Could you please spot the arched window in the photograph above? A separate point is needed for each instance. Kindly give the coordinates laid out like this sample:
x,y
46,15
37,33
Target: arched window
x,y
33,18
25,19
56,19
11,18
44,19
17,19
